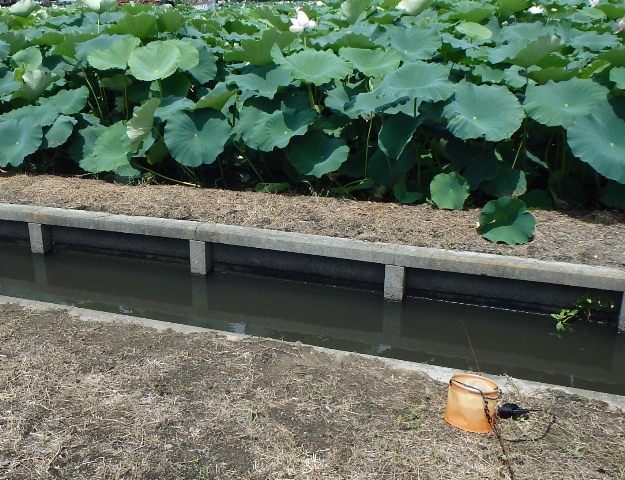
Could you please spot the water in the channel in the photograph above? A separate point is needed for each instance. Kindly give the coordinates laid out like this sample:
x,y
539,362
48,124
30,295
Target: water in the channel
x,y
519,344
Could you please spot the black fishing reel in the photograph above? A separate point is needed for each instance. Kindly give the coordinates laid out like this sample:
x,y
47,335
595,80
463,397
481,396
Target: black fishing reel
x,y
513,411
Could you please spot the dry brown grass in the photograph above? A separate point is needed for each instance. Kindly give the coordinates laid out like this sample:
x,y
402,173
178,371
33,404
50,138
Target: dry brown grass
x,y
83,400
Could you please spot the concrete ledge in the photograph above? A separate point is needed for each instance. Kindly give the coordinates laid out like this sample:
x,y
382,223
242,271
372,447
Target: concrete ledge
x,y
441,374
493,266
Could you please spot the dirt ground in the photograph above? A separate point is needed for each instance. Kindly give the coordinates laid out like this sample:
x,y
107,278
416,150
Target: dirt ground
x,y
86,400
584,237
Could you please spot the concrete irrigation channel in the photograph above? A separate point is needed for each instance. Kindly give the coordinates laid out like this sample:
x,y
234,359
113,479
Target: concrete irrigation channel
x,y
396,271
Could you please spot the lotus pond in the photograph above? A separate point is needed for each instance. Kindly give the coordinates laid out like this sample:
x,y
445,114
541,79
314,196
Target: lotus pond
x,y
504,104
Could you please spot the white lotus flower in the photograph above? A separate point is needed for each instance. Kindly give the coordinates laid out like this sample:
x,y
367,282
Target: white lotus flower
x,y
593,3
621,26
536,9
99,6
302,22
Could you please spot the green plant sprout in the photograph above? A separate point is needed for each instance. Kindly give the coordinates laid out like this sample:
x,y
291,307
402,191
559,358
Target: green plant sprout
x,y
584,308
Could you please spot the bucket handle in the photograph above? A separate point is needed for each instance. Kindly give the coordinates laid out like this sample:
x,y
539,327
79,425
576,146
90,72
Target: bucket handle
x,y
481,392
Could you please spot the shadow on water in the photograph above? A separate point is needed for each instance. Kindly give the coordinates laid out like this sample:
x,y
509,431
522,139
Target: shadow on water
x,y
519,344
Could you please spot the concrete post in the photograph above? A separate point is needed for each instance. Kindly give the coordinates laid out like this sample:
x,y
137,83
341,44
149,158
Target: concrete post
x,y
40,238
621,316
201,257
394,283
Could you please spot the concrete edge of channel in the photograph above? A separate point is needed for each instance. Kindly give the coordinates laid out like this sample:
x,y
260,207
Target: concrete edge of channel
x,y
437,373
403,256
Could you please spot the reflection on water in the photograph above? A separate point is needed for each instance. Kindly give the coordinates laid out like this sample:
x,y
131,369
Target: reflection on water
x,y
519,344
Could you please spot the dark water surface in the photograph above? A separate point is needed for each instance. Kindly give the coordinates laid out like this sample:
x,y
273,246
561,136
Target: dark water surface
x,y
519,344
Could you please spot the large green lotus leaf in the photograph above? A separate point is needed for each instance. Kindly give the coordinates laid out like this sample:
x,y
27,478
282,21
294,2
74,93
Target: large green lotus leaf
x,y
369,103
470,11
171,105
535,51
357,36
23,8
43,115
414,7
554,74
449,191
59,132
594,41
8,84
509,182
99,6
142,121
599,140
266,85
373,63
176,85
617,75
352,11
258,51
218,98
560,104
474,31
170,20
29,59
317,154
114,57
111,150
424,81
83,49
613,195
196,138
206,69
508,7
155,61
485,111
18,139
141,26
312,66
415,43
189,55
396,133
5,48
68,102
35,83
506,220
278,128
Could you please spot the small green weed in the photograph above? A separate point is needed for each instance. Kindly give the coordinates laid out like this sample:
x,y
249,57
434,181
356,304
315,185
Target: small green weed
x,y
584,308
410,420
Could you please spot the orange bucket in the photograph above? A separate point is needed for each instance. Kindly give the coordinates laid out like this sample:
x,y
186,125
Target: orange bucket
x,y
468,398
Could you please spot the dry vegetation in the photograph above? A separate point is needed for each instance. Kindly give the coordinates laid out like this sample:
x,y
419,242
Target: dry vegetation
x,y
84,400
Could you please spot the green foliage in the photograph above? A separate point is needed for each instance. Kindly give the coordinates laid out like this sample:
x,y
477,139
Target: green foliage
x,y
453,102
584,308
506,220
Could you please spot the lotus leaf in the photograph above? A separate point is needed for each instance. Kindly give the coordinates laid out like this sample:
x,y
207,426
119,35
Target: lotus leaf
x,y
59,132
449,190
353,11
509,182
373,63
68,102
196,138
140,26
415,43
23,8
4,50
266,85
142,121
421,80
18,139
396,133
317,154
617,75
599,140
506,220
30,59
114,57
474,30
483,111
35,83
278,128
111,150
189,55
560,104
312,66
155,61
